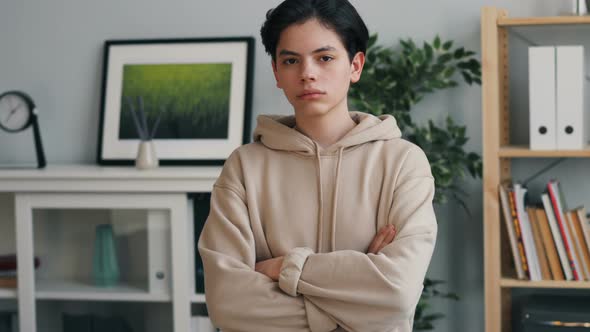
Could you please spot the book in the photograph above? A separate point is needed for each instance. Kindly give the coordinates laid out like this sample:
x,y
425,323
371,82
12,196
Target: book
x,y
583,269
584,223
527,233
512,232
518,233
8,262
557,239
579,235
549,244
542,256
557,204
8,282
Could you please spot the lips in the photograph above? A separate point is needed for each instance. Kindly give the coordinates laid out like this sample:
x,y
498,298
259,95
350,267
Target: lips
x,y
311,93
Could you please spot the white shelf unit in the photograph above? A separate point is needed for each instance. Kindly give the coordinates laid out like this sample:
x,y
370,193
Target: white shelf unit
x,y
81,291
123,191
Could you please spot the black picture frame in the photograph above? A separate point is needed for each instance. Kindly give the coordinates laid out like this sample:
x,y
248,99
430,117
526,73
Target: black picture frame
x,y
204,86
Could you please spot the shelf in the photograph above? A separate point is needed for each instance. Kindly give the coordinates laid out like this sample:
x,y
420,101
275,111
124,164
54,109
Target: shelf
x,y
92,178
7,293
553,20
515,283
198,298
516,151
77,290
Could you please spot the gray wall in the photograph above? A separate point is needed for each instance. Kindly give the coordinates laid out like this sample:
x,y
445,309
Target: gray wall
x,y
53,50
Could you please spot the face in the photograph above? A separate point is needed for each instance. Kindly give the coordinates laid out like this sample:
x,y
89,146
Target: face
x,y
313,69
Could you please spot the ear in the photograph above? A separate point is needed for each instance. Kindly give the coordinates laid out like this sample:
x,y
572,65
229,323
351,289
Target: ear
x,y
356,67
274,71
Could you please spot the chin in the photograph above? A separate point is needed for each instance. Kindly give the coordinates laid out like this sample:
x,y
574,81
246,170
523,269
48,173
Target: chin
x,y
312,110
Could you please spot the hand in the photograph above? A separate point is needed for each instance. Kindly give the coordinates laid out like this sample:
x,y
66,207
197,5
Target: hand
x,y
384,237
270,267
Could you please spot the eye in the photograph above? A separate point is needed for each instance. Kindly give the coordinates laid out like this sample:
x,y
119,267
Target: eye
x,y
326,58
289,61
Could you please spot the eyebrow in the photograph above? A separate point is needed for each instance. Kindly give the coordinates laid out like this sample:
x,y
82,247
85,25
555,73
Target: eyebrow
x,y
319,50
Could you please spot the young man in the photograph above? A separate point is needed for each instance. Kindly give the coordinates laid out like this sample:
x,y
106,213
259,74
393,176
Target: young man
x,y
325,222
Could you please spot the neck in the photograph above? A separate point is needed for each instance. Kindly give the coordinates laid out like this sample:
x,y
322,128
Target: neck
x,y
325,129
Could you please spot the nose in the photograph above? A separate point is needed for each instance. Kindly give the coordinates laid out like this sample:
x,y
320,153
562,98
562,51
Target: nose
x,y
308,71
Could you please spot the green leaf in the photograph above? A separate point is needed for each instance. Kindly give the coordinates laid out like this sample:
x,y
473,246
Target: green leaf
x,y
436,43
467,77
445,58
404,44
449,72
446,46
428,51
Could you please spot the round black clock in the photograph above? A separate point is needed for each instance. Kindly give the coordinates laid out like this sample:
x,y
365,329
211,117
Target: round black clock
x,y
17,113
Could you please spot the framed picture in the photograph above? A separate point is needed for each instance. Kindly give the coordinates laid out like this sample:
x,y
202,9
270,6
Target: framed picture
x,y
195,96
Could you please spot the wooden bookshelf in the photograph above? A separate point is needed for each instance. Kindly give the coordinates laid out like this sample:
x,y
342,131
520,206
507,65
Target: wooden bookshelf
x,y
521,151
552,20
515,283
498,154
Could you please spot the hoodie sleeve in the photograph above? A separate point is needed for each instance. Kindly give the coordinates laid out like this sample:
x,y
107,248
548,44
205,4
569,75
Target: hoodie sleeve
x,y
238,297
367,292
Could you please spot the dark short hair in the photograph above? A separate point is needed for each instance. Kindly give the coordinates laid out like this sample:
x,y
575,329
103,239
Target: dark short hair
x,y
337,15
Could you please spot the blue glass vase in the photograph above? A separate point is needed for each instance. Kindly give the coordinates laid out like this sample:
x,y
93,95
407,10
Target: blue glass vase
x,y
105,268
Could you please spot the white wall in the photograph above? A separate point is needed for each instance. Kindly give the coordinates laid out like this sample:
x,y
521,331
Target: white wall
x,y
53,50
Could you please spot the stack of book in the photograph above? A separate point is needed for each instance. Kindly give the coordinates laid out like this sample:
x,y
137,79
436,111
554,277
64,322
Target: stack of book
x,y
8,278
548,241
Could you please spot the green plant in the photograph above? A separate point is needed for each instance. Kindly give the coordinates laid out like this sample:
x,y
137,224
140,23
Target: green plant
x,y
394,80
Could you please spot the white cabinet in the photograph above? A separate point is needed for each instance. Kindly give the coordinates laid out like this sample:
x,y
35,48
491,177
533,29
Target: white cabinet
x,y
54,213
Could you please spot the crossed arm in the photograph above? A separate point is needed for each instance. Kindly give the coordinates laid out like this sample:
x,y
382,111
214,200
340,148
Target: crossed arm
x,y
272,267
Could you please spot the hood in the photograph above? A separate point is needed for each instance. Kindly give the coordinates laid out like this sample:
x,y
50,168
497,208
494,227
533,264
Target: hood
x,y
277,132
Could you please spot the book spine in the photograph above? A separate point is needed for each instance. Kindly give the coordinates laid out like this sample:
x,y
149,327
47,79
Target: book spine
x,y
550,247
518,234
511,231
542,255
562,229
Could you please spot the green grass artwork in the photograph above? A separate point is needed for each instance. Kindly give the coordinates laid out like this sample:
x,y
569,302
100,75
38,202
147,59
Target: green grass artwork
x,y
193,99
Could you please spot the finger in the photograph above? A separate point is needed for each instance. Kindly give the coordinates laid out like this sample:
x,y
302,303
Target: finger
x,y
374,243
384,242
377,240
390,236
388,239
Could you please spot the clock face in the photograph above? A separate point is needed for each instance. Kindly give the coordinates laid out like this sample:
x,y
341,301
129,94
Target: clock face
x,y
15,112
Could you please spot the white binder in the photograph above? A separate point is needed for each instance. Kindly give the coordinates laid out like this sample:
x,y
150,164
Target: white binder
x,y
542,94
571,127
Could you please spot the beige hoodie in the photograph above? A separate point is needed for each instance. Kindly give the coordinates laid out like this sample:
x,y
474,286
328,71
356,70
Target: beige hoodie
x,y
284,195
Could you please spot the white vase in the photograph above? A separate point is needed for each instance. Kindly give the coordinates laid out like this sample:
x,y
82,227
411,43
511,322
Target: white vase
x,y
146,155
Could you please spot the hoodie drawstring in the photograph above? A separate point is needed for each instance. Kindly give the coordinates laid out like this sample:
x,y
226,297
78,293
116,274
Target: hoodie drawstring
x,y
335,199
321,212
